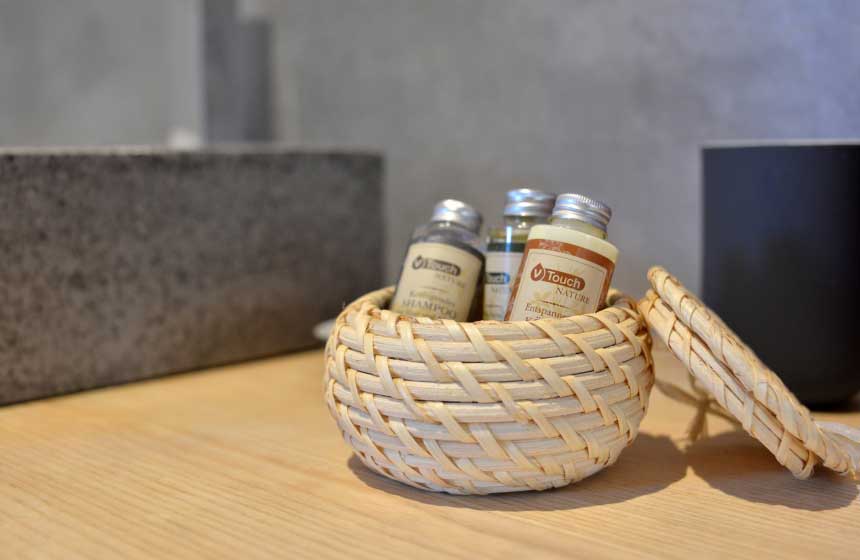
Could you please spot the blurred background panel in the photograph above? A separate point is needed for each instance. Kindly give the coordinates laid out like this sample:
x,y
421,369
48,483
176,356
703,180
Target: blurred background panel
x,y
609,98
96,72
466,99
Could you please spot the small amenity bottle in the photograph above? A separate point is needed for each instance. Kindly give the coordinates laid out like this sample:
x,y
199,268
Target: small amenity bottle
x,y
567,264
505,245
443,265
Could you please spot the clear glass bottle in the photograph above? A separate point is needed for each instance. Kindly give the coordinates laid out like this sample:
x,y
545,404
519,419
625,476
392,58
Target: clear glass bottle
x,y
442,270
525,208
567,265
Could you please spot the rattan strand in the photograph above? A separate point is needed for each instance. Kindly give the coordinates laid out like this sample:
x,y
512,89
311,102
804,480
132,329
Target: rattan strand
x,y
478,408
741,383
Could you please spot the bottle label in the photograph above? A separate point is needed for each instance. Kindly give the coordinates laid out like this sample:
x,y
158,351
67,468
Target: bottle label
x,y
501,271
437,281
558,280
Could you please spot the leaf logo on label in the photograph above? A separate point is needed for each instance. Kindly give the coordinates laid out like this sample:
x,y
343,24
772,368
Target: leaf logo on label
x,y
566,279
436,265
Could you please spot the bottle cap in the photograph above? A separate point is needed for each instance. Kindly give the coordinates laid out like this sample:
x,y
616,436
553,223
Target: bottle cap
x,y
529,202
580,207
450,210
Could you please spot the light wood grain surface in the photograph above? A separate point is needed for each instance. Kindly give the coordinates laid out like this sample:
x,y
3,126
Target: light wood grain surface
x,y
244,462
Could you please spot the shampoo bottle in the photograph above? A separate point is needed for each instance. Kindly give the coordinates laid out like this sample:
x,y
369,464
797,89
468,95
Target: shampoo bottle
x,y
443,265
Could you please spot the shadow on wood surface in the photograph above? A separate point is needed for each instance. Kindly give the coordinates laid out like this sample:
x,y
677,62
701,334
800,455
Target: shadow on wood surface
x,y
651,464
738,465
731,462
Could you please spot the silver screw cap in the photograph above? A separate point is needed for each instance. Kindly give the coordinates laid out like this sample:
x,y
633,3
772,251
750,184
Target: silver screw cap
x,y
450,210
529,202
580,207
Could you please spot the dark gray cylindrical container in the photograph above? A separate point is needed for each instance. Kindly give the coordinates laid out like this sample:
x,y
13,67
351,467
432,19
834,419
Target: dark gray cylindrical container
x,y
782,259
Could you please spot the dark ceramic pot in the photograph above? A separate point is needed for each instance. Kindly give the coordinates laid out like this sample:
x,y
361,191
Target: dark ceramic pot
x,y
782,259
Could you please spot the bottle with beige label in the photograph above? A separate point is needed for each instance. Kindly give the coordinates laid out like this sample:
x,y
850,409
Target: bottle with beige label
x,y
443,265
567,264
525,208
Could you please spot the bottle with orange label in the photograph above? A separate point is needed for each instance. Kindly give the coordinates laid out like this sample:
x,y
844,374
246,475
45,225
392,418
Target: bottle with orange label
x,y
567,264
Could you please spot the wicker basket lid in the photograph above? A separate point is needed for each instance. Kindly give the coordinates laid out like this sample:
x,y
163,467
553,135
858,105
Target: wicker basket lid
x,y
729,372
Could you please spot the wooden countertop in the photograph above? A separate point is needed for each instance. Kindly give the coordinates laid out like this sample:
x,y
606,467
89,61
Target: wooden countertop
x,y
244,462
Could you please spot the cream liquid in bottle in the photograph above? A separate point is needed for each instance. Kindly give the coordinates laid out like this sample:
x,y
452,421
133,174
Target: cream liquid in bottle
x,y
567,265
443,265
525,208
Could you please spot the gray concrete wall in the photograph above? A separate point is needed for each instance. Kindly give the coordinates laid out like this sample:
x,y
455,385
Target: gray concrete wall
x,y
610,98
467,98
94,72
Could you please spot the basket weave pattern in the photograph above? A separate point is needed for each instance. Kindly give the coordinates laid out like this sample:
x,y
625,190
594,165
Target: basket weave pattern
x,y
740,383
477,408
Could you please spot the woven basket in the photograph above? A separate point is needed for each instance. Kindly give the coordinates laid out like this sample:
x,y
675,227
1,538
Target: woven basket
x,y
734,378
478,408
